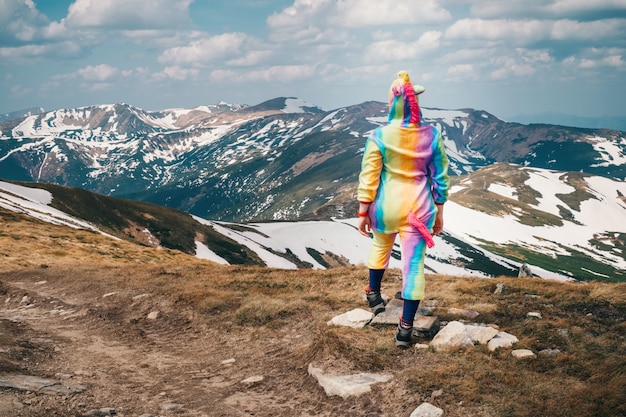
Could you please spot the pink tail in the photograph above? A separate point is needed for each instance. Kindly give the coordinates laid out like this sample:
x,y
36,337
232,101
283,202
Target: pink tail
x,y
421,227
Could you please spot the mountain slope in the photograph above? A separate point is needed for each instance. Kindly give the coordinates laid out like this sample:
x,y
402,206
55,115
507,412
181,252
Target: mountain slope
x,y
143,223
563,221
499,218
280,160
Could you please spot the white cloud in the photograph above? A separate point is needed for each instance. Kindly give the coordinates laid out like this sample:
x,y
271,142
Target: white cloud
x,y
273,74
510,67
358,13
462,69
550,9
100,72
22,23
518,32
178,73
566,7
251,58
26,53
281,73
596,30
598,58
128,14
301,13
205,50
395,50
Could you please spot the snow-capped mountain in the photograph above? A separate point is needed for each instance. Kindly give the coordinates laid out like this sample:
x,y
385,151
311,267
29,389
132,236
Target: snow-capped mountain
x,y
549,196
287,245
283,159
562,225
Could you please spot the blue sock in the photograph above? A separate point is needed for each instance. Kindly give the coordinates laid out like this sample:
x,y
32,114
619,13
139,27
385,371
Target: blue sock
x,y
409,308
376,277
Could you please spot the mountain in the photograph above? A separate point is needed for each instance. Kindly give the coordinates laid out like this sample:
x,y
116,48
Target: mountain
x,y
499,218
283,159
18,114
614,123
211,177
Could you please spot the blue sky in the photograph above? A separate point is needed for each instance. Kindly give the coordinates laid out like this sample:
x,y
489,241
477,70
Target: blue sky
x,y
506,57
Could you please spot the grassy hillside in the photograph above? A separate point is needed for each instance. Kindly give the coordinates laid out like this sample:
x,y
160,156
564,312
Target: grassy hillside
x,y
145,223
273,323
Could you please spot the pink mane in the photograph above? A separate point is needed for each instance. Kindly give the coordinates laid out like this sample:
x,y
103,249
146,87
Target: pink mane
x,y
415,108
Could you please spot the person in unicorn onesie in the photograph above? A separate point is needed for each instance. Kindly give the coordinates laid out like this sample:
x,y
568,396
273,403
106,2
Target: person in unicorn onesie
x,y
403,185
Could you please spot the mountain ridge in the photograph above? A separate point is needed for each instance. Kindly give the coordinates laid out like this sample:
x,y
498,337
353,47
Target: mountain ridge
x,y
496,221
286,160
241,163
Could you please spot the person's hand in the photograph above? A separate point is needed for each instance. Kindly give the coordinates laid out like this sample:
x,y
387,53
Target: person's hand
x,y
438,226
365,226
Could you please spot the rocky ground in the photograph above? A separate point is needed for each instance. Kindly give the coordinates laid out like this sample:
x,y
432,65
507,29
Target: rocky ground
x,y
89,353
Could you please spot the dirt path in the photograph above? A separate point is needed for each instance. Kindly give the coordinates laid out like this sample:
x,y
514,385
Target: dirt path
x,y
134,354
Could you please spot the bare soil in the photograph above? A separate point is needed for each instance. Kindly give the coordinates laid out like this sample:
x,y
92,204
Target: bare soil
x,y
174,364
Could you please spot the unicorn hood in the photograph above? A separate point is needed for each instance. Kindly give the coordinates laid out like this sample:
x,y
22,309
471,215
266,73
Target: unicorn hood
x,y
404,109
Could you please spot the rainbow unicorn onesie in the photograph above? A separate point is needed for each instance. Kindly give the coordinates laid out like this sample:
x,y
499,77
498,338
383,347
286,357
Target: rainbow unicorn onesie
x,y
404,176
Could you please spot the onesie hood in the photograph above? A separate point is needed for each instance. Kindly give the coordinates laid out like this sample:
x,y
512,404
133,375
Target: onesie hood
x,y
404,109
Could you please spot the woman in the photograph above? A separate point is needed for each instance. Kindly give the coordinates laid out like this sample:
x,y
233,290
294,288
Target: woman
x,y
403,186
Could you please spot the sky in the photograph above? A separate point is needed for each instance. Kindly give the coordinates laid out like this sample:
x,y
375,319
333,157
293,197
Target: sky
x,y
506,57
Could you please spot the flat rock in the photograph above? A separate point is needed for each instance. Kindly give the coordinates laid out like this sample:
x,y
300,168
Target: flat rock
x,y
480,333
393,310
357,318
464,312
36,384
502,340
523,353
346,385
426,326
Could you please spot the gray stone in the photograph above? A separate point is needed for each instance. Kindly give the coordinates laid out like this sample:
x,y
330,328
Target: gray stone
x,y
36,384
452,336
426,326
502,340
101,412
533,314
523,353
480,333
549,352
346,385
357,319
427,410
393,310
253,379
524,271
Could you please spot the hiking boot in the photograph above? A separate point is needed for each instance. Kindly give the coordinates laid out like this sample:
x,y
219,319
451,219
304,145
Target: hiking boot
x,y
403,337
375,301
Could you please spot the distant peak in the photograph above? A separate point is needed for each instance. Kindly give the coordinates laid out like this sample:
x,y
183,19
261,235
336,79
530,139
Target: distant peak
x,y
286,105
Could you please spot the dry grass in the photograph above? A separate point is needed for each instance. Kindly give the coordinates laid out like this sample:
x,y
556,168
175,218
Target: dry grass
x,y
585,321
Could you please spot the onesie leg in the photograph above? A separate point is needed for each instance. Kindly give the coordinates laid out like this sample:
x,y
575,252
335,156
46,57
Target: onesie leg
x,y
378,262
380,251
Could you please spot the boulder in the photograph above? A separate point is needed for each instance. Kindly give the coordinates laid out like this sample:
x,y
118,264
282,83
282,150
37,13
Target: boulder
x,y
452,336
